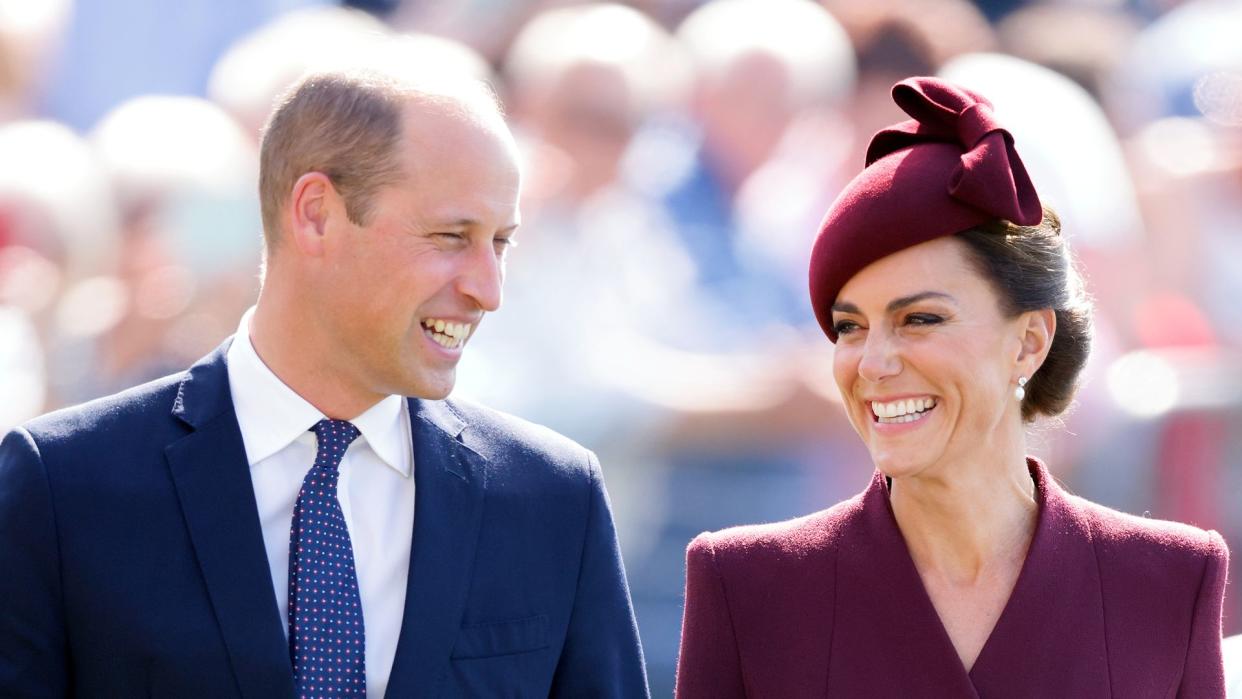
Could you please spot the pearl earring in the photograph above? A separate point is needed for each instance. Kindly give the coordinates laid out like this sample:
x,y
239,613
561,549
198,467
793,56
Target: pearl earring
x,y
1020,391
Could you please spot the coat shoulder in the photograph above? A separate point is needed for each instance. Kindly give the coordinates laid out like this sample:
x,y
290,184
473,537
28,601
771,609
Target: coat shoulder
x,y
510,439
120,416
1150,564
788,543
1148,542
771,587
1162,585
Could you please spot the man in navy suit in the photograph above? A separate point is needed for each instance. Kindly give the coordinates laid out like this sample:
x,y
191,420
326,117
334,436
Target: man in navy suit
x,y
306,486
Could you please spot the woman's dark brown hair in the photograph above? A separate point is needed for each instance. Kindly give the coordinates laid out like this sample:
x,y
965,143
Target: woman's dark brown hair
x,y
1031,268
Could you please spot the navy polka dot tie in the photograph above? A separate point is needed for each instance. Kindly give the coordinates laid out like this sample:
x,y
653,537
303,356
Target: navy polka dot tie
x,y
325,611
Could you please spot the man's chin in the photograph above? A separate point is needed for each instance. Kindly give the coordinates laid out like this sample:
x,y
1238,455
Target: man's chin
x,y
434,387
438,395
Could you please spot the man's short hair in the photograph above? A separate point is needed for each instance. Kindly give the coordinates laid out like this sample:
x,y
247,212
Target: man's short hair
x,y
348,125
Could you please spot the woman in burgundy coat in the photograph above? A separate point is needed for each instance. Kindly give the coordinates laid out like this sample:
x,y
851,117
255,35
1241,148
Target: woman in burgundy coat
x,y
963,569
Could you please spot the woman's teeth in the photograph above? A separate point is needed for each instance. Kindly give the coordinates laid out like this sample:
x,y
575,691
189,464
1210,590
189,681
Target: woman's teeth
x,y
447,334
902,411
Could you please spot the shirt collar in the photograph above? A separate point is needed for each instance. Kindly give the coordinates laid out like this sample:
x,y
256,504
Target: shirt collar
x,y
386,427
272,415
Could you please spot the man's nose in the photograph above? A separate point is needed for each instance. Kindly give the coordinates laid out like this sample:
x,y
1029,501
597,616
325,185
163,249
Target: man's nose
x,y
483,278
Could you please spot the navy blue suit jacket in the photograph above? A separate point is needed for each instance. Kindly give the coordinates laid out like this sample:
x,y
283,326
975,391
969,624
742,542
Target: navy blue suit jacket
x,y
133,560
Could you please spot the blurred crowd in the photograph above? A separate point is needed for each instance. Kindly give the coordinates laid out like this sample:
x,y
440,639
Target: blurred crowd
x,y
678,157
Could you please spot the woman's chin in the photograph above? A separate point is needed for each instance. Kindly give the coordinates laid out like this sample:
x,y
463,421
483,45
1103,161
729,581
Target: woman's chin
x,y
898,465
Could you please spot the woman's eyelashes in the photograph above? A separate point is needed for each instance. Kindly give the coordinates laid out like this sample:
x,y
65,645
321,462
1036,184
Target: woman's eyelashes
x,y
923,319
845,327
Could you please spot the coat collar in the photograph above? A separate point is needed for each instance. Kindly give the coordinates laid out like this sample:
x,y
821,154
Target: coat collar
x,y
1055,615
450,478
212,479
204,392
1053,619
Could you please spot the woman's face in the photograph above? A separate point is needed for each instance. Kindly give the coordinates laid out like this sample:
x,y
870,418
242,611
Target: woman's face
x,y
925,360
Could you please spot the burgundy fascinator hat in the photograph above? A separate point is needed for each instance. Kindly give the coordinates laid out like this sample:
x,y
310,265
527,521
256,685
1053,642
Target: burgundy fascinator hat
x,y
951,167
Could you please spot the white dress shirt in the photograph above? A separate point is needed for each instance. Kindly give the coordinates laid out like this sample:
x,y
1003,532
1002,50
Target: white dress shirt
x,y
376,490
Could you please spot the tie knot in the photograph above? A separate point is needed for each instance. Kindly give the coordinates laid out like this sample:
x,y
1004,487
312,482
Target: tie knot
x,y
334,437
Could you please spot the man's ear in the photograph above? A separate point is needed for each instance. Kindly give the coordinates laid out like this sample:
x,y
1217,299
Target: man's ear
x,y
310,205
1037,330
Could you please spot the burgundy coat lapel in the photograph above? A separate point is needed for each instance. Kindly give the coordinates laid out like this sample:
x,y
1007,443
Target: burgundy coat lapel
x,y
888,640
1050,639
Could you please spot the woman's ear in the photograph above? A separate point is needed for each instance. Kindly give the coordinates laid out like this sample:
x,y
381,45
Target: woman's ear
x,y
1037,331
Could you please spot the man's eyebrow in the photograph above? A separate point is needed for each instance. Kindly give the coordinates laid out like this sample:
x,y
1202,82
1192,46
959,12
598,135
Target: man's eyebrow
x,y
471,223
895,304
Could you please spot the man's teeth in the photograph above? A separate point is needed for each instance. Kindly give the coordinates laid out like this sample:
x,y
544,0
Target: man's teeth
x,y
448,334
900,411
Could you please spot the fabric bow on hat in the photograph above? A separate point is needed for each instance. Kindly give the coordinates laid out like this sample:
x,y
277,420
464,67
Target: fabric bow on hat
x,y
991,176
950,168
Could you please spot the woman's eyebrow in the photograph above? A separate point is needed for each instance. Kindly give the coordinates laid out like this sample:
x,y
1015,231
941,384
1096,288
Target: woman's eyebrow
x,y
895,304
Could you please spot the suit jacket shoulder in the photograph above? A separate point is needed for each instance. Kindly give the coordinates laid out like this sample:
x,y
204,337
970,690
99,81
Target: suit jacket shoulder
x,y
499,433
117,417
108,445
524,463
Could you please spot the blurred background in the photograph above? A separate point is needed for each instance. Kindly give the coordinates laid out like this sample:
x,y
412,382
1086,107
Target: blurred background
x,y
679,155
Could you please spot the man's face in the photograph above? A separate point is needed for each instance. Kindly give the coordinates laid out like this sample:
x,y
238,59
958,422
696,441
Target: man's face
x,y
405,291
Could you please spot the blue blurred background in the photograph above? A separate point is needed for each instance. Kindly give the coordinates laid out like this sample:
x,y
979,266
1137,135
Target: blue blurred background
x,y
678,158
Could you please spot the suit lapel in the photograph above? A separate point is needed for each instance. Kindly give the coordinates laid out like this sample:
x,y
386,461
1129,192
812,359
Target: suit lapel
x,y
888,637
1050,639
449,482
212,478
